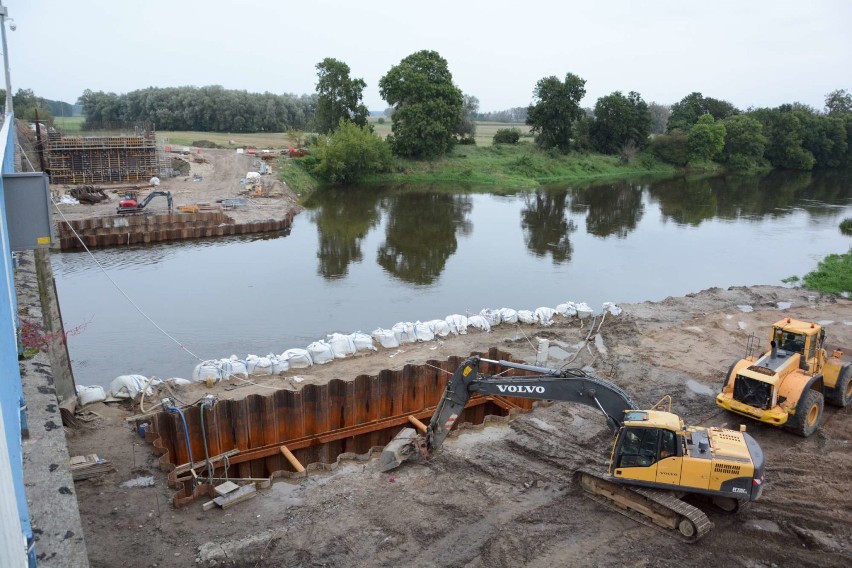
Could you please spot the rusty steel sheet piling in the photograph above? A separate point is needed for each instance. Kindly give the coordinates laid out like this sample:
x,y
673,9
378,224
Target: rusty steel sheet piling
x,y
312,428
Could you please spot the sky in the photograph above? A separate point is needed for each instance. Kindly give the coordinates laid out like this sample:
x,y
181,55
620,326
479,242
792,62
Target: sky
x,y
749,52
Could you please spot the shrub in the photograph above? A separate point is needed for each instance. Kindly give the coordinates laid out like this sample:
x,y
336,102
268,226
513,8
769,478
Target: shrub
x,y
350,153
381,120
846,226
672,148
507,136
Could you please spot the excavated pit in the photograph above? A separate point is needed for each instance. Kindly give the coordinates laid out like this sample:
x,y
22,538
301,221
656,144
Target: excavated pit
x,y
262,437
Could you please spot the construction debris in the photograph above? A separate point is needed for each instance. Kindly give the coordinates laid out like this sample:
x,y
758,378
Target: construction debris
x,y
88,194
84,467
231,498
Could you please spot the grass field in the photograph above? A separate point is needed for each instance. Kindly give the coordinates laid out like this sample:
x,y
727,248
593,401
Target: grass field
x,y
70,126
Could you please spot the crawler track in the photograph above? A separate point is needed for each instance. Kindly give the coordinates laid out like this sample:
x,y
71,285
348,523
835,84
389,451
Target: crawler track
x,y
654,508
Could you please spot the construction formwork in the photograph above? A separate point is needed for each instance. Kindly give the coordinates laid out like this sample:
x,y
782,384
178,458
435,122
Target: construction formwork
x,y
88,160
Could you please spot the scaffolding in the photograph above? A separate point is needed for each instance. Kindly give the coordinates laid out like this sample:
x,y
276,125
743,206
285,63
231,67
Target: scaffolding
x,y
88,160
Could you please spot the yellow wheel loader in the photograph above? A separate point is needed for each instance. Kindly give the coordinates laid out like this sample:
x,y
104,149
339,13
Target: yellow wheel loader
x,y
654,461
788,385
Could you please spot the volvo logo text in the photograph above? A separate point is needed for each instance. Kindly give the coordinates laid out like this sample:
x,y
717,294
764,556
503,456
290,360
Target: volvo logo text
x,y
521,388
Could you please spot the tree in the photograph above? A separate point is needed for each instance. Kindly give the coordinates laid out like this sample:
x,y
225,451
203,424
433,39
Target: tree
x,y
686,112
659,117
428,107
350,153
838,103
672,148
785,133
556,109
619,120
507,136
338,96
467,126
706,138
744,141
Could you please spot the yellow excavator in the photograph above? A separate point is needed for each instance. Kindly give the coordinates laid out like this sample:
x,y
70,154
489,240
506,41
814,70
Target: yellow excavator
x,y
654,461
788,385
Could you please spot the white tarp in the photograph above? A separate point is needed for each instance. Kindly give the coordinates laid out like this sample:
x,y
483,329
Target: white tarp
x,y
458,323
258,365
297,358
128,386
320,352
508,315
423,332
493,317
362,342
88,395
439,327
386,338
207,370
341,345
404,332
544,316
479,323
526,316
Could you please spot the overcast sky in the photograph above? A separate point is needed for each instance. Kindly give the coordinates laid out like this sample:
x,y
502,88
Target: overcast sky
x,y
749,52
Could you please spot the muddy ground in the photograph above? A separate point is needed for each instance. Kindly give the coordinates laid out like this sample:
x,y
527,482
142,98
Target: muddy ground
x,y
220,171
502,495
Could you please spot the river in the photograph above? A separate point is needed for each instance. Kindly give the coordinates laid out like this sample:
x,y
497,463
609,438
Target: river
x,y
363,258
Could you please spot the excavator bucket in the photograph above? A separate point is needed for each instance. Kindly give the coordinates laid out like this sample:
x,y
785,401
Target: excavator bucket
x,y
402,447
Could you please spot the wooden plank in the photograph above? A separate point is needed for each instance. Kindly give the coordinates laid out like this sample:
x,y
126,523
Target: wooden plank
x,y
292,459
242,494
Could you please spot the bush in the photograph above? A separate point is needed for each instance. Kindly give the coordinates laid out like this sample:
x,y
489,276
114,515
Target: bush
x,y
467,141
350,153
832,276
846,226
381,120
507,136
672,148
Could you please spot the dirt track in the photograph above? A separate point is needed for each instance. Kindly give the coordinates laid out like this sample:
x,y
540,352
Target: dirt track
x,y
502,495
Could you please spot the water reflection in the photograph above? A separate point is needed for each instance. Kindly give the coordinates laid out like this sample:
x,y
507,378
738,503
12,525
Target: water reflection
x,y
614,209
343,221
421,234
546,228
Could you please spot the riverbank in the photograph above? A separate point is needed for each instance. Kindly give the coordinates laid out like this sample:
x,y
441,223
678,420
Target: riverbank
x,y
507,488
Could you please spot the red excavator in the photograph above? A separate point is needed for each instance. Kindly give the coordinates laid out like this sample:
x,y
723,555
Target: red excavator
x,y
131,204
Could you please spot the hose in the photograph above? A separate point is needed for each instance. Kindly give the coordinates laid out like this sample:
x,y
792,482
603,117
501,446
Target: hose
x,y
185,433
201,408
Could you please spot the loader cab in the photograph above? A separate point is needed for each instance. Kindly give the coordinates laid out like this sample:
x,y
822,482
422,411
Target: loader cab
x,y
794,336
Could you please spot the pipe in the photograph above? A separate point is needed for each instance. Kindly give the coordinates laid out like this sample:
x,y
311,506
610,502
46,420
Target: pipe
x,y
185,431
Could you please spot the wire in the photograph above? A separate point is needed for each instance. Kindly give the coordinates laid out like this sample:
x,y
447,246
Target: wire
x,y
123,293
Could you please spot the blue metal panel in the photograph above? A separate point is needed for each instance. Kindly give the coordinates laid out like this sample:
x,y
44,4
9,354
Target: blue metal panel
x,y
11,391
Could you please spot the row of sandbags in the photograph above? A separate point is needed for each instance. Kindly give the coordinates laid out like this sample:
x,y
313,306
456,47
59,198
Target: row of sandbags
x,y
122,387
338,345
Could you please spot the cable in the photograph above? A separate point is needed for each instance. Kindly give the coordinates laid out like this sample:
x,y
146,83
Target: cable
x,y
123,293
201,407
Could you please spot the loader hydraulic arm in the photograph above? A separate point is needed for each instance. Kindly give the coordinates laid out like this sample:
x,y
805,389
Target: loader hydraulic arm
x,y
570,385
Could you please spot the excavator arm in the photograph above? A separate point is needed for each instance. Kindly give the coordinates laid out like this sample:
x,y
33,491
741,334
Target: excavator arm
x,y
153,194
569,385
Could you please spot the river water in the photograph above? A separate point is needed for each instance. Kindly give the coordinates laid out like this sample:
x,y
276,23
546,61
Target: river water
x,y
363,258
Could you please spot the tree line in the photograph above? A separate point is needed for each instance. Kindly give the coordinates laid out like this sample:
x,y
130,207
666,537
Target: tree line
x,y
205,109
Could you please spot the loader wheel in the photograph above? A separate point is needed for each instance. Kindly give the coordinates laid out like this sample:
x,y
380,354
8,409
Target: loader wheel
x,y
808,414
842,395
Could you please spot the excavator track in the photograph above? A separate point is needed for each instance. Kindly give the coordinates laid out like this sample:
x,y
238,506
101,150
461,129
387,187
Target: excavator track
x,y
655,508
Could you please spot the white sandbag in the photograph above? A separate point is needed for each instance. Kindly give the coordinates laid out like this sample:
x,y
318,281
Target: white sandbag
x,y
128,386
493,317
479,323
320,352
526,316
386,337
207,370
568,309
458,323
297,358
233,367
423,332
508,315
584,311
439,328
258,365
88,395
404,332
252,175
611,308
279,364
544,316
341,345
175,381
362,341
